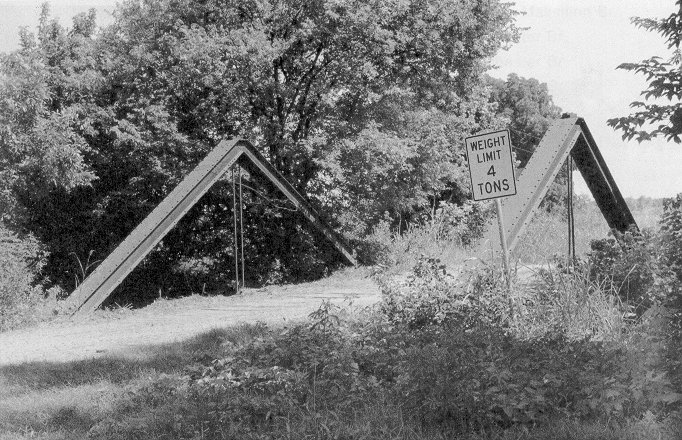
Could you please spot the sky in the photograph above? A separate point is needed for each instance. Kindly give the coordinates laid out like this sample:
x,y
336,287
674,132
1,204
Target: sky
x,y
575,47
572,46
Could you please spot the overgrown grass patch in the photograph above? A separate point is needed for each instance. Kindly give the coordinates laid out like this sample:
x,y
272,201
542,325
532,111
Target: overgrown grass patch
x,y
329,378
440,359
397,253
452,240
568,301
69,407
547,233
648,427
64,400
560,356
148,361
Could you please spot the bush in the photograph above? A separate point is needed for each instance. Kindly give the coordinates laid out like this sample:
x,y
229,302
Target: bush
x,y
465,223
635,266
477,380
431,296
440,355
671,231
20,260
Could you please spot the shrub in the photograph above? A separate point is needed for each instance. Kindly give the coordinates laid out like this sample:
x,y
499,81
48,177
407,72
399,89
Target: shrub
x,y
21,258
633,264
464,223
431,296
473,380
671,231
440,354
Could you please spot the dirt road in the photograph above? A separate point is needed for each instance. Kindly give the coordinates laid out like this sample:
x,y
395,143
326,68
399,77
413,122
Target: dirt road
x,y
169,321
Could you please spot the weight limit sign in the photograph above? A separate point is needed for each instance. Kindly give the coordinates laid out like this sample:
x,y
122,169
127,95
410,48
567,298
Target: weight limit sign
x,y
490,165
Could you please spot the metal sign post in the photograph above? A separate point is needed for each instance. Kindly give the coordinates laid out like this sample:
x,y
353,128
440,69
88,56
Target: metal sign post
x,y
491,169
503,241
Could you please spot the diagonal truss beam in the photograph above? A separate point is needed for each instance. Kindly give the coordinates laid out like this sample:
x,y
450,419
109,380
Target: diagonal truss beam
x,y
97,287
591,164
569,135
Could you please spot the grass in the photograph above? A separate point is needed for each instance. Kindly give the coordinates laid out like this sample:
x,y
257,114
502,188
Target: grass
x,y
648,428
64,400
144,395
401,251
545,237
571,301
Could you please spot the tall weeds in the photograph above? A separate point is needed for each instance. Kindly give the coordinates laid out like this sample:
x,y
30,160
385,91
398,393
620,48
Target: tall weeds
x,y
398,252
569,302
21,299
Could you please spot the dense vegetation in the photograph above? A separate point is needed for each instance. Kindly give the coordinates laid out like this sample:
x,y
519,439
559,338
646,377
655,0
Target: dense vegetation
x,y
568,354
361,105
445,356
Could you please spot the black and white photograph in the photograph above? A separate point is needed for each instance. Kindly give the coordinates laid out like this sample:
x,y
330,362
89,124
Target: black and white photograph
x,y
341,219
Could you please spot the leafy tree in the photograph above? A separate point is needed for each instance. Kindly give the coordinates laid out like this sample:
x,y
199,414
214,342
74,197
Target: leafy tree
x,y
307,81
529,108
402,166
40,150
654,117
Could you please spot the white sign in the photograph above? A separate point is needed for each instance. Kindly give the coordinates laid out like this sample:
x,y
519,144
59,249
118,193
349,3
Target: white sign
x,y
490,165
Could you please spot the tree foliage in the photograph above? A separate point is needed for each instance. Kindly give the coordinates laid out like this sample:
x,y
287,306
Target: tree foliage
x,y
404,164
360,104
41,149
528,106
529,109
660,114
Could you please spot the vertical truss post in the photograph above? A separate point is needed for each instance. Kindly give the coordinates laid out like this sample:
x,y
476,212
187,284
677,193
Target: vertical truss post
x,y
241,225
569,208
234,233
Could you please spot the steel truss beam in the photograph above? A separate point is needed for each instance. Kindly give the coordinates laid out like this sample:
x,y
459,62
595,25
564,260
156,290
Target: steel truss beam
x,y
569,135
97,287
